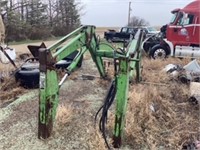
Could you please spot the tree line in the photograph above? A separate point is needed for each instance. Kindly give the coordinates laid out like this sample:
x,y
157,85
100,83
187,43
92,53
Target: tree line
x,y
39,19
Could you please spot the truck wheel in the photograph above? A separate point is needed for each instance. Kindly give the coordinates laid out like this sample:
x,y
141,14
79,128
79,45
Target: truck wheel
x,y
158,52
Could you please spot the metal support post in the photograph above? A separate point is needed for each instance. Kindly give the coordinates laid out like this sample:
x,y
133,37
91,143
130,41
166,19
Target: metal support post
x,y
48,94
122,81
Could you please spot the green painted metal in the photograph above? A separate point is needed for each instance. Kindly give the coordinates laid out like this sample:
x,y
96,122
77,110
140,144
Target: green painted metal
x,y
129,68
48,95
93,48
109,54
122,80
74,63
132,49
70,47
84,39
106,46
65,38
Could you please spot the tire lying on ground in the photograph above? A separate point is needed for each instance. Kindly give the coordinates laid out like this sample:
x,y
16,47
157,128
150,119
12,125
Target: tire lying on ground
x,y
28,78
28,74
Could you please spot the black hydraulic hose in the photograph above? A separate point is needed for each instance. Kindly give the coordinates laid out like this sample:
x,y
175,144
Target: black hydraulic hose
x,y
104,121
105,107
105,101
108,93
109,102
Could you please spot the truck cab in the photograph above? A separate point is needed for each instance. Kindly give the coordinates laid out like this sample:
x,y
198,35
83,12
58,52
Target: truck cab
x,y
182,35
185,25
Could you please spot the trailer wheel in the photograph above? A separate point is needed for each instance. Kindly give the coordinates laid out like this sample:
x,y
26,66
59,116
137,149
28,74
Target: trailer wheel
x,y
158,52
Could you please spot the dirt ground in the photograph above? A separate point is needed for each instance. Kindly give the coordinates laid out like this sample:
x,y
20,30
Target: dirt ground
x,y
174,123
79,97
22,48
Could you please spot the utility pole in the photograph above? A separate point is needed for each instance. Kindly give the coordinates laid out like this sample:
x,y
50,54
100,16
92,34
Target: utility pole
x,y
129,13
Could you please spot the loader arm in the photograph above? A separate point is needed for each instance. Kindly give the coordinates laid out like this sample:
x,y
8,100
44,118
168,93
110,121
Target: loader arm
x,y
127,64
82,39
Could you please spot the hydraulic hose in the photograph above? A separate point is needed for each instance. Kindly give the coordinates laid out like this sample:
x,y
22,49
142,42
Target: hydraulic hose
x,y
105,107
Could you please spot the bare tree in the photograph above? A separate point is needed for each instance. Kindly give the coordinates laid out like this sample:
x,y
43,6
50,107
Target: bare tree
x,y
39,19
137,21
51,11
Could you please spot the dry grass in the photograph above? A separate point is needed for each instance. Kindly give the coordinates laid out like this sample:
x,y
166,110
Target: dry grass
x,y
67,117
95,140
5,68
64,114
159,115
11,94
153,69
10,90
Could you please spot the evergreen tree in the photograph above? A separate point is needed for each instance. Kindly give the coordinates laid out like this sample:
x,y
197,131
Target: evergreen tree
x,y
67,17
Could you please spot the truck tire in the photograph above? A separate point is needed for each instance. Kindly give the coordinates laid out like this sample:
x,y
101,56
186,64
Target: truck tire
x,y
28,78
158,52
28,74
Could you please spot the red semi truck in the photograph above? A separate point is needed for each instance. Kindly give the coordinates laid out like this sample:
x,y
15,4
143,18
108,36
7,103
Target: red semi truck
x,y
181,36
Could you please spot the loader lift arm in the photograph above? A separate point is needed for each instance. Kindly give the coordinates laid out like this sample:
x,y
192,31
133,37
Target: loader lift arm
x,y
84,39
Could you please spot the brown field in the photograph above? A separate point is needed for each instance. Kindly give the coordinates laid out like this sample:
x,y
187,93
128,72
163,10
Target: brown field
x,y
100,30
174,122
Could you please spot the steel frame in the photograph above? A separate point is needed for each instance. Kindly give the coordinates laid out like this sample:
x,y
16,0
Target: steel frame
x,y
84,39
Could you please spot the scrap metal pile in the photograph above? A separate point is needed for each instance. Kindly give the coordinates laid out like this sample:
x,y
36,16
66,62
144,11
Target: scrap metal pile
x,y
188,74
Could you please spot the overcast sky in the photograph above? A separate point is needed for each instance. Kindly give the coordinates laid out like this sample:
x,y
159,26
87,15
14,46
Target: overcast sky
x,y
114,13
